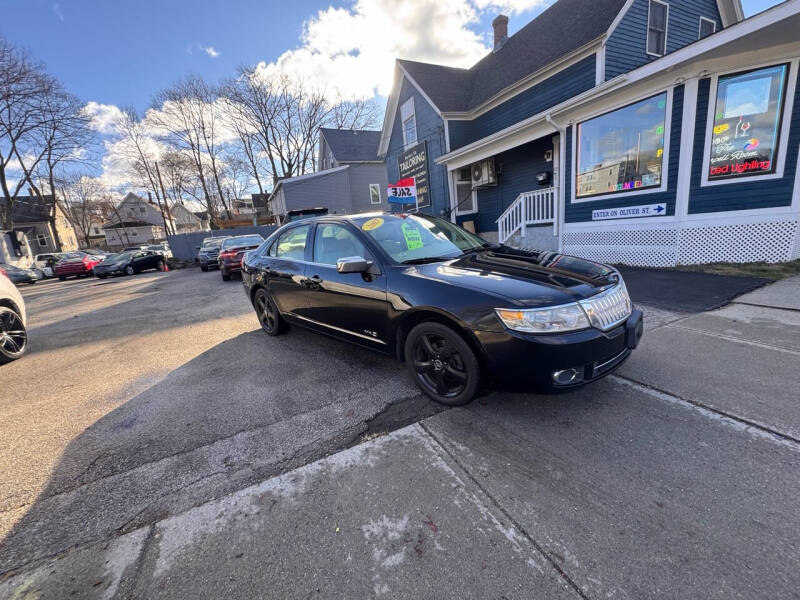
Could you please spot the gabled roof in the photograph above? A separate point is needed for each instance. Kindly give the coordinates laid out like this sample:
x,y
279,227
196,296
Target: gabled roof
x,y
350,145
290,181
183,216
564,27
29,209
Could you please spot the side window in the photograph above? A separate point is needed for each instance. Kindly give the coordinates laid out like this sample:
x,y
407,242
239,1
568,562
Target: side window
x,y
333,241
292,244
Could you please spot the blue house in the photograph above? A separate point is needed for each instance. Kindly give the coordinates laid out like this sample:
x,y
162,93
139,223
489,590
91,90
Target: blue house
x,y
645,132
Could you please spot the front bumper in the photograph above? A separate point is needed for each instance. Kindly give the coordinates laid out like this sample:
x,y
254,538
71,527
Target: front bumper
x,y
527,362
208,261
109,270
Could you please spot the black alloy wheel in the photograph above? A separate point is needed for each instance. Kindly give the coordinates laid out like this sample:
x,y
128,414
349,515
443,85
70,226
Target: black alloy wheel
x,y
268,314
13,336
443,365
129,270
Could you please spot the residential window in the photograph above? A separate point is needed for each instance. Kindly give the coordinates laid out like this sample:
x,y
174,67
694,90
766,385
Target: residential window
x,y
133,232
409,120
707,28
657,28
97,231
466,197
142,209
41,239
374,193
623,150
747,122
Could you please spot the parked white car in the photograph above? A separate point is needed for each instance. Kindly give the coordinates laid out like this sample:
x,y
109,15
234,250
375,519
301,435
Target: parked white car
x,y
45,262
13,322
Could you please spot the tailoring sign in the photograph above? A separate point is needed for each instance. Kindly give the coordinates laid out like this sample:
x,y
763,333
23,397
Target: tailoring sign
x,y
403,192
629,212
413,163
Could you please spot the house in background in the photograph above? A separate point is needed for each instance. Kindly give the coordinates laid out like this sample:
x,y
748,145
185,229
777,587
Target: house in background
x,y
44,234
351,178
134,222
186,221
630,131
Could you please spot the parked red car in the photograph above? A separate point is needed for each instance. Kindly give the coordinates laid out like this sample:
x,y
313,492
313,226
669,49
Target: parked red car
x,y
232,250
76,264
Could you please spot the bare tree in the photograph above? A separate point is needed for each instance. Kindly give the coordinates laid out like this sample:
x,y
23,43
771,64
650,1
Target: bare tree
x,y
84,202
24,89
189,119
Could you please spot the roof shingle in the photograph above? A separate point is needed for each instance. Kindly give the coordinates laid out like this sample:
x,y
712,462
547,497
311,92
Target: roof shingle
x,y
349,145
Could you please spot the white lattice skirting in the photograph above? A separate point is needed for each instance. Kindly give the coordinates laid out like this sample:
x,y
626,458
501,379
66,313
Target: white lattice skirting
x,y
772,240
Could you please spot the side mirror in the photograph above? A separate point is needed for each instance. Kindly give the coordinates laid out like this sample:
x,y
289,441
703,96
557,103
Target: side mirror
x,y
353,264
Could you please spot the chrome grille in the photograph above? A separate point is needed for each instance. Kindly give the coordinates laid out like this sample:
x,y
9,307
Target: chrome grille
x,y
608,309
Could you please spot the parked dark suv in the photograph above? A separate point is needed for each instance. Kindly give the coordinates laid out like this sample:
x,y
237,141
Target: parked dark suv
x,y
460,312
207,253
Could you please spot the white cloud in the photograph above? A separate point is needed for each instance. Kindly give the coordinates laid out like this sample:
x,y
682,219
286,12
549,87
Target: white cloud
x,y
211,51
58,11
104,117
353,49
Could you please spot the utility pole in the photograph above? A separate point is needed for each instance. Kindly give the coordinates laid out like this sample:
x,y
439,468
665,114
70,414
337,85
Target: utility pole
x,y
166,201
161,208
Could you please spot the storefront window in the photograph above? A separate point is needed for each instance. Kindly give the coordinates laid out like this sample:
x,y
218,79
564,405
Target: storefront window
x,y
747,119
622,150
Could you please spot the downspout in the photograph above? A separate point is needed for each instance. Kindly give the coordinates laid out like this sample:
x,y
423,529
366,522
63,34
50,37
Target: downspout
x,y
562,173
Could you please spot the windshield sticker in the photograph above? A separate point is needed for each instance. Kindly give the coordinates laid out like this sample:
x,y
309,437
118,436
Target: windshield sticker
x,y
412,236
372,224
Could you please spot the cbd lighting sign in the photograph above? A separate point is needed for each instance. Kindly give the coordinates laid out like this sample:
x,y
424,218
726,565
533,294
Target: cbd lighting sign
x,y
403,192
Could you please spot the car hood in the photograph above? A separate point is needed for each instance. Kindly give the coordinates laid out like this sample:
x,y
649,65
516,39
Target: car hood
x,y
525,279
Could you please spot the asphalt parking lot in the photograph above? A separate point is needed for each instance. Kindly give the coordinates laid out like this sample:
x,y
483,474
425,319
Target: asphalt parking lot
x,y
155,443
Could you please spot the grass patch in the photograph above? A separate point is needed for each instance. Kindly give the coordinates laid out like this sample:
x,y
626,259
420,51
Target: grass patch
x,y
765,270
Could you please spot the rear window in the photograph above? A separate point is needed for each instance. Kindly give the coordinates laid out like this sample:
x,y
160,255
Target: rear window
x,y
243,241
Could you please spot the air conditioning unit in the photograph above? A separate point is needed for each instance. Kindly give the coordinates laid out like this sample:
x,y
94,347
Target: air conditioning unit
x,y
483,173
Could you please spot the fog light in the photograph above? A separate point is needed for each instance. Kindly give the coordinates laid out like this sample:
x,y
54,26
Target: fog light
x,y
567,376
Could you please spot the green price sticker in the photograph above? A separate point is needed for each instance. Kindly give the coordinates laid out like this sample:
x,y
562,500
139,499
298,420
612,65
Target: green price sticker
x,y
412,237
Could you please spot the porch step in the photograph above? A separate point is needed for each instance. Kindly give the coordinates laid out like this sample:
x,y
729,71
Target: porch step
x,y
536,238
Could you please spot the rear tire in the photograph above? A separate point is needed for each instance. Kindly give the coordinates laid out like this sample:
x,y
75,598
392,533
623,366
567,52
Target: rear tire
x,y
160,265
268,314
62,278
225,275
442,364
13,335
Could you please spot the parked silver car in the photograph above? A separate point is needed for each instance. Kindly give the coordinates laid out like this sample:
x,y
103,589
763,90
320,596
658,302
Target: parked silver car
x,y
13,322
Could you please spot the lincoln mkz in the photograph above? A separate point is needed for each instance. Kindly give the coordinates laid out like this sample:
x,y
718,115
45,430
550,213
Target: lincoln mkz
x,y
462,313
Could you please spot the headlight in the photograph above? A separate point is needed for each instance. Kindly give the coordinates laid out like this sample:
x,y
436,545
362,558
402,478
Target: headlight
x,y
554,319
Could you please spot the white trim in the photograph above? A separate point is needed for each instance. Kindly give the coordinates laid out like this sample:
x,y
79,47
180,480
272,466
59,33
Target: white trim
x,y
419,89
600,65
665,159
446,135
783,134
730,11
688,121
700,27
666,28
620,15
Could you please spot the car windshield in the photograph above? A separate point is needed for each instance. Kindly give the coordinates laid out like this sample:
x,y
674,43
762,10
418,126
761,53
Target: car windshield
x,y
412,239
251,240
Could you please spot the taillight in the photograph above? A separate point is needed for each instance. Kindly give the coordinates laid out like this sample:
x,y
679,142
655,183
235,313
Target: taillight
x,y
3,272
227,254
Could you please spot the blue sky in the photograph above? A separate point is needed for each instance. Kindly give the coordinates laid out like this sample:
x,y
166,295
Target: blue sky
x,y
122,51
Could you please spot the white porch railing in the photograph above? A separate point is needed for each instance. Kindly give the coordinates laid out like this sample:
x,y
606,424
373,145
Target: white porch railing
x,y
530,208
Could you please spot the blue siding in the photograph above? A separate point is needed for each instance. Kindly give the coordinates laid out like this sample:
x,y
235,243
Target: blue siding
x,y
554,90
741,195
519,167
430,128
626,49
582,211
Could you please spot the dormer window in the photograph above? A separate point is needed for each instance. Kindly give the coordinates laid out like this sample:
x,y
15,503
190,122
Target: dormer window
x,y
657,28
707,28
409,121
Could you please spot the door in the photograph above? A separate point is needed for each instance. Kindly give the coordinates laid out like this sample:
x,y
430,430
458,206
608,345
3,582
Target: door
x,y
286,263
349,305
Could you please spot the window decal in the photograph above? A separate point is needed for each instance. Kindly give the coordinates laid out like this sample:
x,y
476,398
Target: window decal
x,y
747,120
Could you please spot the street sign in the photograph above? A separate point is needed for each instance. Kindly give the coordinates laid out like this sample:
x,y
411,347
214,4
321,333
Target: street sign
x,y
630,212
403,192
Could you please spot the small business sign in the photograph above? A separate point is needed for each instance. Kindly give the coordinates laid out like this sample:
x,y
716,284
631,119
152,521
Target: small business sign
x,y
413,163
629,212
403,192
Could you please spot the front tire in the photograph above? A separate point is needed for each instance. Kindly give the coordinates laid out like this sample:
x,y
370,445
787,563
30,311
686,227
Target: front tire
x,y
442,364
13,335
129,270
204,268
268,314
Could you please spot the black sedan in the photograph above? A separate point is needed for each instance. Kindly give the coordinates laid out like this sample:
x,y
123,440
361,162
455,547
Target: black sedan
x,y
19,275
129,263
461,312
